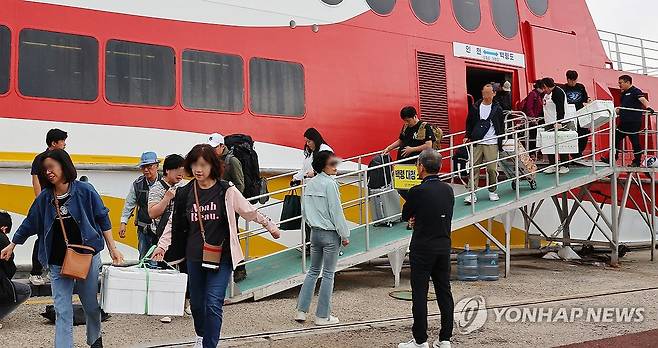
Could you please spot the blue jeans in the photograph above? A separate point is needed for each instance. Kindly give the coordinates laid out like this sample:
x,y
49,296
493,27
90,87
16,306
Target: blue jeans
x,y
207,293
325,246
145,240
62,288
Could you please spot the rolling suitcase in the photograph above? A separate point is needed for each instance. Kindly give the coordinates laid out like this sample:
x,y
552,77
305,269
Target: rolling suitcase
x,y
384,206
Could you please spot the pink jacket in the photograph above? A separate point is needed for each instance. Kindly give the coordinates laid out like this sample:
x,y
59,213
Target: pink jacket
x,y
235,203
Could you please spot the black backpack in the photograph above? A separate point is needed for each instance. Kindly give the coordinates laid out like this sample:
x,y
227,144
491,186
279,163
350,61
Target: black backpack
x,y
381,177
242,147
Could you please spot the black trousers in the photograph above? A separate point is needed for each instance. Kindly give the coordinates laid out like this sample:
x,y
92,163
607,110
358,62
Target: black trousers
x,y
22,291
37,267
437,266
629,130
583,139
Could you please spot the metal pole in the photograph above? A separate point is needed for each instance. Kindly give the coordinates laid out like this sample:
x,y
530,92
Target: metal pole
x,y
361,185
614,261
452,159
472,179
618,53
646,135
516,166
557,156
246,241
593,131
644,57
508,230
368,216
653,215
613,146
566,233
303,230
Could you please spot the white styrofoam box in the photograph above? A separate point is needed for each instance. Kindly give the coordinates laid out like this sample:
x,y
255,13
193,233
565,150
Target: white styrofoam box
x,y
509,145
567,142
593,115
124,290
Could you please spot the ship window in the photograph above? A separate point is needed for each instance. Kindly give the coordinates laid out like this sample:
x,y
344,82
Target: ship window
x,y
381,7
213,81
467,13
139,74
426,10
276,87
5,48
538,7
57,65
506,17
332,2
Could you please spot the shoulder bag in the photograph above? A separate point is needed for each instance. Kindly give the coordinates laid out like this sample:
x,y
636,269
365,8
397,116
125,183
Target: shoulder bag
x,y
76,264
212,254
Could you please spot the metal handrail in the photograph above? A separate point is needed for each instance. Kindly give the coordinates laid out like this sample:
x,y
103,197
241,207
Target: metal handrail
x,y
635,54
514,134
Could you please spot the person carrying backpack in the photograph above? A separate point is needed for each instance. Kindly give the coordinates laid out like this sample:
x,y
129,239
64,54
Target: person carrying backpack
x,y
233,167
415,136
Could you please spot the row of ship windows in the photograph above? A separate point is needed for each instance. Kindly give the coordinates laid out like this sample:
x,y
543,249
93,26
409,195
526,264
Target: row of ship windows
x,y
467,12
65,66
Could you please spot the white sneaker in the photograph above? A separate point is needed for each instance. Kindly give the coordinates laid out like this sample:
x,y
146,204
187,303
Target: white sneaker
x,y
37,280
165,320
199,342
300,317
47,278
467,199
493,196
188,308
550,170
563,170
441,344
413,344
326,321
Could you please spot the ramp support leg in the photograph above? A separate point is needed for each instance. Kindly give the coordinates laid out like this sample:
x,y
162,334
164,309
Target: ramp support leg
x,y
396,259
507,220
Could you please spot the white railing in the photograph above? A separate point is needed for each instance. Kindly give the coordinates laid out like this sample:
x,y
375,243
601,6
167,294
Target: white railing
x,y
518,130
630,53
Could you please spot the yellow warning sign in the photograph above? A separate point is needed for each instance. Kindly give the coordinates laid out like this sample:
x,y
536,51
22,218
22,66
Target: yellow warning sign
x,y
405,176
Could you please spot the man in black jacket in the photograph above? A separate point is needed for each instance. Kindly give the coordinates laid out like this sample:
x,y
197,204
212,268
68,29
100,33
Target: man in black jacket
x,y
429,209
12,294
485,122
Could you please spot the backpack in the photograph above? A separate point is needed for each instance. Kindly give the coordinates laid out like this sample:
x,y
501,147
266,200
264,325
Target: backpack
x,y
79,317
242,148
438,134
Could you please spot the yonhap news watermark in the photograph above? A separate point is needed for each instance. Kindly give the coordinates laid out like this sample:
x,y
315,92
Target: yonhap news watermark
x,y
471,314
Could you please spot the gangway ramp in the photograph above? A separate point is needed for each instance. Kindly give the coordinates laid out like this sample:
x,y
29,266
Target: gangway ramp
x,y
281,271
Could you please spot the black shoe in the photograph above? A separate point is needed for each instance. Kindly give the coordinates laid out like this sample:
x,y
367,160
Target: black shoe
x,y
635,163
605,160
98,343
239,275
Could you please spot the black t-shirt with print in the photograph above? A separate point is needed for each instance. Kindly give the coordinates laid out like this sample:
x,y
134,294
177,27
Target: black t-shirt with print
x,y
408,138
37,168
58,249
215,222
576,95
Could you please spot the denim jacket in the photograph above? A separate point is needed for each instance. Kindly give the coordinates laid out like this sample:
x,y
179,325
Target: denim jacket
x,y
85,206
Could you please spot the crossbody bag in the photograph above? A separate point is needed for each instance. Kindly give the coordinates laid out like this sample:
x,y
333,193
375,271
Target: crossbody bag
x,y
76,263
212,254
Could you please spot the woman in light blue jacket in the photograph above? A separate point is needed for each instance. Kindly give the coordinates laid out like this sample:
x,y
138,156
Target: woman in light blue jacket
x,y
323,212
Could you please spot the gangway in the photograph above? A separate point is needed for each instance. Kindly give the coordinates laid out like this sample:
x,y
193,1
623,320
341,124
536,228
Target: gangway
x,y
286,269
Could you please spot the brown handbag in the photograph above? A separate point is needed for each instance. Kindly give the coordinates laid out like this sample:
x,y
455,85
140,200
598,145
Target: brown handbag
x,y
76,264
212,254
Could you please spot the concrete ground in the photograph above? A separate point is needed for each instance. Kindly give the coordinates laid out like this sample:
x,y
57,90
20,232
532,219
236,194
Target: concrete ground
x,y
362,296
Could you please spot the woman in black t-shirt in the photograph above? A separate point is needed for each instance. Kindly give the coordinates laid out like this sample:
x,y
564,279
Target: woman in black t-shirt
x,y
204,220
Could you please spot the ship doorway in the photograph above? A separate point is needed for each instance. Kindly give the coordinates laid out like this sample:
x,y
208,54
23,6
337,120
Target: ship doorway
x,y
478,77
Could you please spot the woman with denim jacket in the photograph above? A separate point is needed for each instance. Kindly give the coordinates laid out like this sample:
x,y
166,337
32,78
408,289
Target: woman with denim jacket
x,y
219,203
323,211
86,222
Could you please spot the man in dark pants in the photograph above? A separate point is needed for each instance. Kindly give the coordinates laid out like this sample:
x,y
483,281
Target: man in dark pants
x,y
429,209
630,121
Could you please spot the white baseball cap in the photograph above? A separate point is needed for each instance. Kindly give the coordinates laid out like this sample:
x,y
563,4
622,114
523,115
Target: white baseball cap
x,y
215,140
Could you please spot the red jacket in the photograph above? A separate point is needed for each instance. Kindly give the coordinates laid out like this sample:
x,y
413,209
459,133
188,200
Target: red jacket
x,y
533,105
